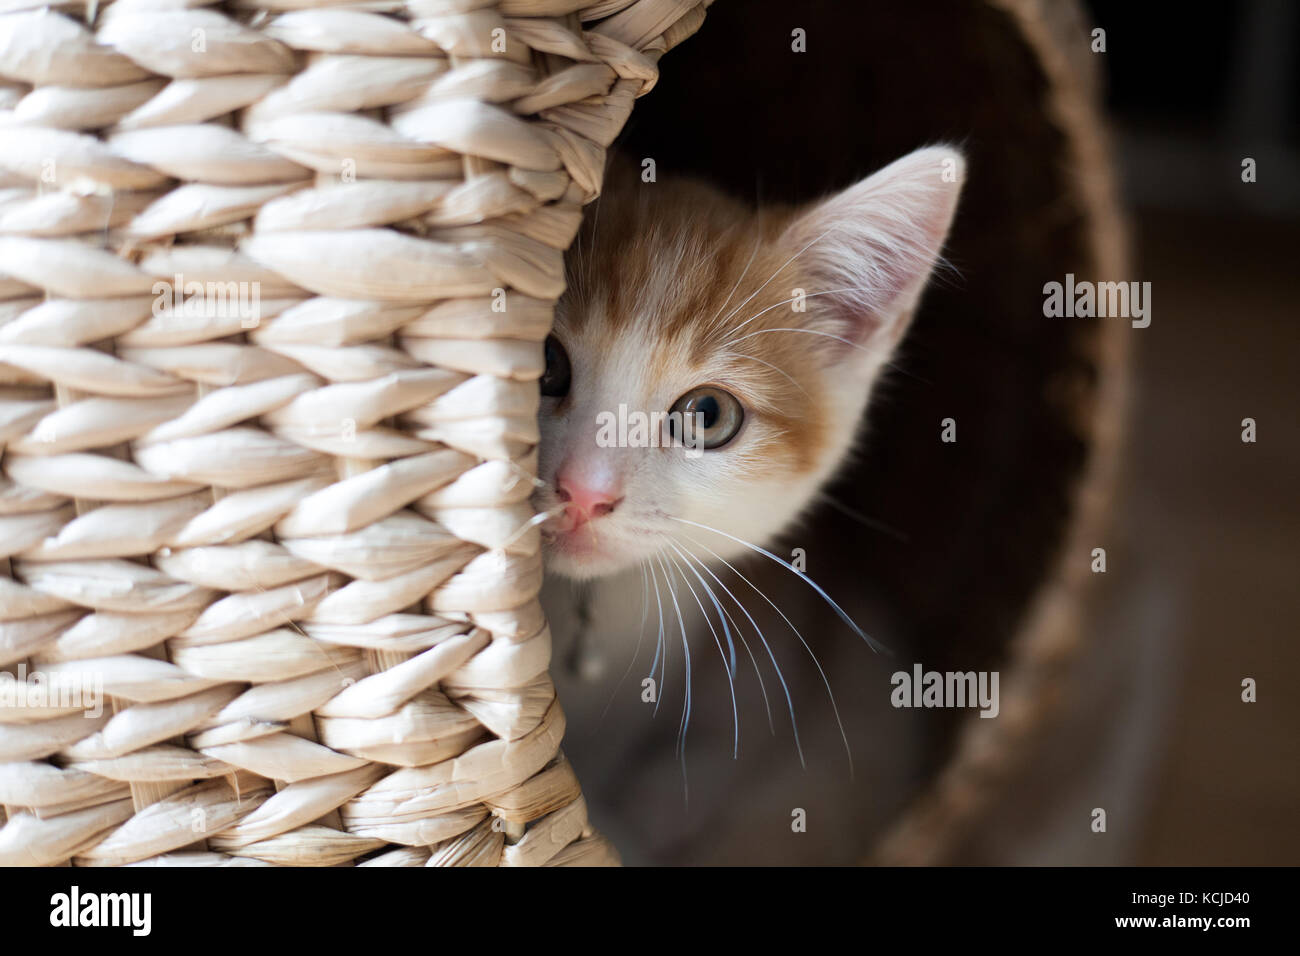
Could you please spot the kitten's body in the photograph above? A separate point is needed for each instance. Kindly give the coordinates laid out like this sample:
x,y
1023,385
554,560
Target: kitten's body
x,y
789,316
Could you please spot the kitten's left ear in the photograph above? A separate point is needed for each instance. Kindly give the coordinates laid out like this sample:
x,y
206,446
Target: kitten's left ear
x,y
871,248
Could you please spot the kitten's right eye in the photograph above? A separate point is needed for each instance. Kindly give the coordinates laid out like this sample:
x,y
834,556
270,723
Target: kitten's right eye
x,y
555,380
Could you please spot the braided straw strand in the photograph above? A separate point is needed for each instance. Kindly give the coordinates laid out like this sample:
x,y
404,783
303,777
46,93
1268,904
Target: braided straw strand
x,y
289,542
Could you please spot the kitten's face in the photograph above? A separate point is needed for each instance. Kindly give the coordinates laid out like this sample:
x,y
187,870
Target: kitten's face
x,y
767,330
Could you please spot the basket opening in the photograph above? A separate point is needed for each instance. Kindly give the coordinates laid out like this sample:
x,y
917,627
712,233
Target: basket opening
x,y
979,521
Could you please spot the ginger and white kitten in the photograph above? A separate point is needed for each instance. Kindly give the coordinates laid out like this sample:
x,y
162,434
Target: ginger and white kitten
x,y
774,326
771,327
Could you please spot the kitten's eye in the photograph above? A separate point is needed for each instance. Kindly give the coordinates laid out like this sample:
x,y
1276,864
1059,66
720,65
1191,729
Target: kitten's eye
x,y
720,411
555,380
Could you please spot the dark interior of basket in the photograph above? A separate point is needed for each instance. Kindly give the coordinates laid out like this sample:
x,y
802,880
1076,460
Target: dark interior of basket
x,y
980,520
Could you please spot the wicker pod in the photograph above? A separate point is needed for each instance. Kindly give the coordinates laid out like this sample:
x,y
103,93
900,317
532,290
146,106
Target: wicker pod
x,y
274,281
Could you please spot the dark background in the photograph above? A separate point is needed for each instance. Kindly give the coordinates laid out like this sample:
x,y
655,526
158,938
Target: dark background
x,y
1201,587
1211,534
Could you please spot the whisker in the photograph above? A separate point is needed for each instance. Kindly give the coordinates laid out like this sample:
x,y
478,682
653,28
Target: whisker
x,y
806,295
317,646
779,270
872,642
872,523
794,725
888,363
744,643
848,751
758,241
661,651
686,701
729,663
640,636
526,475
686,651
595,227
774,368
829,335
731,671
539,518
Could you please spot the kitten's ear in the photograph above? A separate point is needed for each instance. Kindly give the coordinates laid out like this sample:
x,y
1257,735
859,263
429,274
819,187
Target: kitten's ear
x,y
871,248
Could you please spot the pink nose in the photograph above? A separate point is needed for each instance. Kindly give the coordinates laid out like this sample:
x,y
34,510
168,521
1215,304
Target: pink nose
x,y
585,497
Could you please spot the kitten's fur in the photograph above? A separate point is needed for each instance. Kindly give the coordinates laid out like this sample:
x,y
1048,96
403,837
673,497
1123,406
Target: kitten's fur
x,y
674,286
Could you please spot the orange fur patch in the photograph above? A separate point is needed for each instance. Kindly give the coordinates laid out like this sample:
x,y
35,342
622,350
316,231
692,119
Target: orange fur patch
x,y
685,266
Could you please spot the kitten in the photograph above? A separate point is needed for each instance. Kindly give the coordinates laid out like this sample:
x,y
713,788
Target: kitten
x,y
764,333
774,327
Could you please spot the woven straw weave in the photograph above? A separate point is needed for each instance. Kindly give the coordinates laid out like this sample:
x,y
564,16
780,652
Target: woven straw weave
x,y
295,552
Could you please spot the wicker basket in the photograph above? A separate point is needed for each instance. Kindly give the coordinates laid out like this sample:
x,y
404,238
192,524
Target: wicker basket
x,y
289,538
290,541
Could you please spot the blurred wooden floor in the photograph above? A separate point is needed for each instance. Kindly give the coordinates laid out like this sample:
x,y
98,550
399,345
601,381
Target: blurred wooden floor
x,y
1203,582
1222,518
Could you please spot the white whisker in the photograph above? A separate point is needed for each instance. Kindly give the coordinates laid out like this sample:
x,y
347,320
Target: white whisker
x,y
872,642
595,226
758,241
806,295
874,524
659,639
724,616
779,270
526,475
686,701
731,670
848,752
744,643
539,518
774,368
640,636
837,338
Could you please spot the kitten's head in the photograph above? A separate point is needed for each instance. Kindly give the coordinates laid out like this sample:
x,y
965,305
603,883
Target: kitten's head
x,y
766,329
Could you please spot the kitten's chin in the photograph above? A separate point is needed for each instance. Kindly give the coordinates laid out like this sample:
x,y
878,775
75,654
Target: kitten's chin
x,y
579,558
